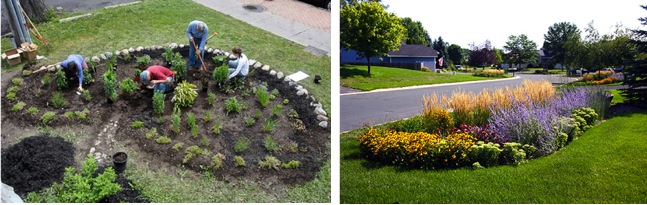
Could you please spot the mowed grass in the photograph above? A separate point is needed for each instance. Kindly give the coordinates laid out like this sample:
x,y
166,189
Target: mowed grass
x,y
356,77
606,165
160,22
617,96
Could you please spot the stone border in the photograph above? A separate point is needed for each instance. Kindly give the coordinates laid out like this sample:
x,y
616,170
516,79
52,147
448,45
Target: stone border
x,y
317,109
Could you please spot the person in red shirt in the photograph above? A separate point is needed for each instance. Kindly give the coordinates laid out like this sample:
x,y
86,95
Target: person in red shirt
x,y
159,77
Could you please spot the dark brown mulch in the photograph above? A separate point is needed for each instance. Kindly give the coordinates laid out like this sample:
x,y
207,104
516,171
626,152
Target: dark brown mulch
x,y
127,194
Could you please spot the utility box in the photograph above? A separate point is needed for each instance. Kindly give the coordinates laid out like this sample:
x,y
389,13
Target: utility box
x,y
13,56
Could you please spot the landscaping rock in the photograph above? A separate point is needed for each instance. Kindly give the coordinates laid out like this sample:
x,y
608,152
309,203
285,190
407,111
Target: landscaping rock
x,y
227,54
210,50
216,51
252,61
302,92
117,53
139,49
322,118
279,75
265,68
312,97
287,79
125,52
320,111
181,46
131,49
96,59
272,72
109,54
92,150
103,56
160,47
291,83
257,65
173,45
323,124
148,48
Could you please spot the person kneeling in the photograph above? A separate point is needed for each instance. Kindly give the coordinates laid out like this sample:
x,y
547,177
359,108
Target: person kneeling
x,y
157,77
239,67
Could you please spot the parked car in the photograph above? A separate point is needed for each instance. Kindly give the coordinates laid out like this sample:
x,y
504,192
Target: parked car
x,y
319,3
459,67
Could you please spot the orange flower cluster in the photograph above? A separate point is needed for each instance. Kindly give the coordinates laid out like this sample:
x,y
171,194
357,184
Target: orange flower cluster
x,y
599,75
418,149
606,80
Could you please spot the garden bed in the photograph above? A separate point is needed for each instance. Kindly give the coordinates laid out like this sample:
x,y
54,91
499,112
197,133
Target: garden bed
x,y
304,140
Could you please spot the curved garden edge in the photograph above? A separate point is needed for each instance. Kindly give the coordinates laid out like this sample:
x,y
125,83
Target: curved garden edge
x,y
429,86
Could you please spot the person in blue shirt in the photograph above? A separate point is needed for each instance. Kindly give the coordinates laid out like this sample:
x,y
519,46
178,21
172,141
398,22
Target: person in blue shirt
x,y
197,31
239,67
73,66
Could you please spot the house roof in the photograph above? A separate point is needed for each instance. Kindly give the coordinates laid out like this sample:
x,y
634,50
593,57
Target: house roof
x,y
544,53
414,51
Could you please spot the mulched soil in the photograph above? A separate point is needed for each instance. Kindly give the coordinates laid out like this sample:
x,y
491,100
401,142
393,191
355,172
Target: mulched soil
x,y
35,163
127,194
313,142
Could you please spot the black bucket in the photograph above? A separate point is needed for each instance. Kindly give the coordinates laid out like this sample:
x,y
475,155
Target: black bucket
x,y
119,159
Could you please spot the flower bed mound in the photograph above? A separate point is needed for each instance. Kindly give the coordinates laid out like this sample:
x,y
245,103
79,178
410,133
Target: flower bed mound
x,y
35,163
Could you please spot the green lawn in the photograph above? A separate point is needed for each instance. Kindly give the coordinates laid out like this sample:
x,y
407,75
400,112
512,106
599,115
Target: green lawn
x,y
386,77
617,96
160,22
606,165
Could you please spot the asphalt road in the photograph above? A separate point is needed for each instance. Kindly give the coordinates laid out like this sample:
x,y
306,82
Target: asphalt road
x,y
381,106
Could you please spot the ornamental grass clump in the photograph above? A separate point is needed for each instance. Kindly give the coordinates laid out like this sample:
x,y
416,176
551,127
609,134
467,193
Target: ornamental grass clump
x,y
263,96
462,104
419,150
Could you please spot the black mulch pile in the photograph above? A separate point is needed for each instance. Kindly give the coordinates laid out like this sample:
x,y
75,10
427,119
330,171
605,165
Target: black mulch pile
x,y
35,163
127,194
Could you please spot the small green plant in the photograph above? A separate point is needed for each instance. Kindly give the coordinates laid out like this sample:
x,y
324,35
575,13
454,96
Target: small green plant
x,y
274,93
13,89
163,140
32,110
69,114
128,85
82,115
137,124
215,129
270,144
178,146
151,133
143,61
191,152
217,160
240,162
269,125
11,96
110,85
207,117
270,162
58,100
17,81
277,110
61,79
86,95
127,57
263,97
184,94
87,77
220,74
249,121
158,102
48,116
47,79
204,141
219,60
293,164
294,147
18,106
168,54
286,101
232,105
257,114
26,72
211,98
86,186
177,119
192,125
241,145
293,114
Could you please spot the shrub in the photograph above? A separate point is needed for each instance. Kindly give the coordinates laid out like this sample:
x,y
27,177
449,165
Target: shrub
x,y
168,54
220,74
61,79
418,149
86,95
85,187
211,98
143,61
178,146
599,75
163,140
293,164
184,94
47,79
489,73
179,66
158,102
263,97
127,86
240,162
607,80
513,153
17,81
32,110
219,60
58,100
435,114
241,145
270,144
485,154
69,114
584,118
109,85
151,133
217,160
137,124
232,105
249,121
87,77
48,116
18,106
270,162
481,133
269,125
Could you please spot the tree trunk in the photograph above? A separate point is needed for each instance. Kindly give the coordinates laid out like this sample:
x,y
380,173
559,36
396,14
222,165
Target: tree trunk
x,y
35,9
368,59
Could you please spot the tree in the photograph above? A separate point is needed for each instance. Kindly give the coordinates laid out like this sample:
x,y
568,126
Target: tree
x,y
482,55
498,55
636,73
441,46
369,30
455,53
355,2
521,49
558,34
416,34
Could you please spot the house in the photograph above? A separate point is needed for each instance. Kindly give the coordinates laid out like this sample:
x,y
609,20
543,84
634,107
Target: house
x,y
407,56
545,58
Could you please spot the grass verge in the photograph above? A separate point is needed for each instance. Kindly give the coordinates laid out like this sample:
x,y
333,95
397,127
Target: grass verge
x,y
617,96
603,166
386,77
160,22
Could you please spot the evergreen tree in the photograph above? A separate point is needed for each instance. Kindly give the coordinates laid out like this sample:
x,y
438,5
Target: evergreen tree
x,y
636,73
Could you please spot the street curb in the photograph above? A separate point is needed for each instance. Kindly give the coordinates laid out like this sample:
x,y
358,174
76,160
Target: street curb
x,y
427,86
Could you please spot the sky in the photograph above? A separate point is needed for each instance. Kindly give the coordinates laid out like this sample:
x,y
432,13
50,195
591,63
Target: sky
x,y
473,21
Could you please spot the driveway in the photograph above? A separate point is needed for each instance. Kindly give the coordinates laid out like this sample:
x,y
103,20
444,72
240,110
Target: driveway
x,y
370,108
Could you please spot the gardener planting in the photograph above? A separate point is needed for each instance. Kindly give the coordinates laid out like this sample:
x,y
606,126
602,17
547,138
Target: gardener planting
x,y
197,31
73,66
240,66
158,77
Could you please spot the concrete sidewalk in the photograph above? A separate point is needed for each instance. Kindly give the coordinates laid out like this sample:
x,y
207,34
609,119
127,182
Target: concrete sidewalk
x,y
315,41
